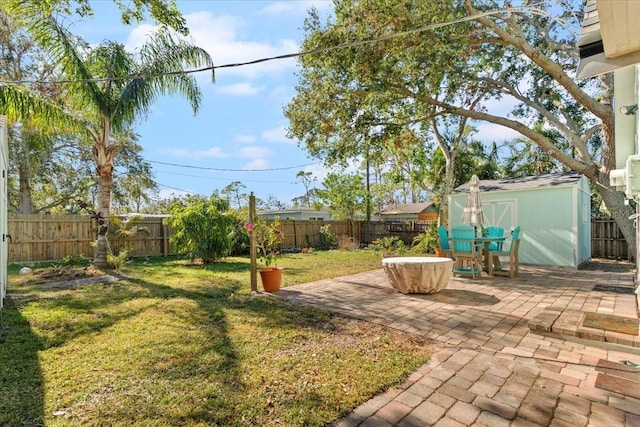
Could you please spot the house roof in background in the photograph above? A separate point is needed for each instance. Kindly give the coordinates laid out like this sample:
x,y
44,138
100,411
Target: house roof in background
x,y
292,210
562,179
411,208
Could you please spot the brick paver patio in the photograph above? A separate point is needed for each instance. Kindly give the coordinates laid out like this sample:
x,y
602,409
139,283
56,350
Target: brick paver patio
x,y
508,351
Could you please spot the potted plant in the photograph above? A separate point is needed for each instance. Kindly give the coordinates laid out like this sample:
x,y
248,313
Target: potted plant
x,y
269,237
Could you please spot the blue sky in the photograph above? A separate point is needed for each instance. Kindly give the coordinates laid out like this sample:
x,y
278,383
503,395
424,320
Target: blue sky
x,y
240,129
240,126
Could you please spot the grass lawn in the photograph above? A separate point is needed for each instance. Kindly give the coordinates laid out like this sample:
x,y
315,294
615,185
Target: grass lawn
x,y
180,344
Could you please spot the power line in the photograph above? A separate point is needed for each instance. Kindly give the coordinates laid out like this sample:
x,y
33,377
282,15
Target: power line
x,y
231,170
218,178
518,9
179,189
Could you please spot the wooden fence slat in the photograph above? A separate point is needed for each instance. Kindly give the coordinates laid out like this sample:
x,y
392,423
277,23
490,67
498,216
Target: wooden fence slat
x,y
52,237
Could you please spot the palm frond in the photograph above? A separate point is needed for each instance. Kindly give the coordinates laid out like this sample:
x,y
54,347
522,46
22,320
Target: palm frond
x,y
20,105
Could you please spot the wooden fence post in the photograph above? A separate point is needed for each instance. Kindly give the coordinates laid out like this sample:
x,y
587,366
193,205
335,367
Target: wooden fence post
x,y
252,244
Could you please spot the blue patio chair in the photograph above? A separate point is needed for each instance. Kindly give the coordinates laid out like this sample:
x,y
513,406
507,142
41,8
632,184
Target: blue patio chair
x,y
466,252
443,237
511,252
493,231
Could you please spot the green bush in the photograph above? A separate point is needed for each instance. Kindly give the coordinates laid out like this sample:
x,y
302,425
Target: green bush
x,y
202,228
426,242
326,239
388,245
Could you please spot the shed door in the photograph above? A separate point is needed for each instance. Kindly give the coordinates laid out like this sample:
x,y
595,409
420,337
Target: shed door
x,y
4,163
502,213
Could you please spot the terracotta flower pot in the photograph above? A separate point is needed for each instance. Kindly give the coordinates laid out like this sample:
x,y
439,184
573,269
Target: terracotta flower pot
x,y
271,278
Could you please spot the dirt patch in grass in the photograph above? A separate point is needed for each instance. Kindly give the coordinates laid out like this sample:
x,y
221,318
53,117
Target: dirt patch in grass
x,y
608,322
66,273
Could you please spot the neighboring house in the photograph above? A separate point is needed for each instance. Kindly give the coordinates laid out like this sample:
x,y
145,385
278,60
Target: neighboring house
x,y
610,42
425,211
4,166
553,210
302,213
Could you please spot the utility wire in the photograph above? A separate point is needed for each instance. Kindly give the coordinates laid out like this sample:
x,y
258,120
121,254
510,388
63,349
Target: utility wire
x,y
231,170
519,9
218,178
179,189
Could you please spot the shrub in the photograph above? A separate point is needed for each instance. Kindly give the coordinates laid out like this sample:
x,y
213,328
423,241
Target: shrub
x,y
122,230
426,242
389,244
269,237
326,239
202,228
347,243
117,261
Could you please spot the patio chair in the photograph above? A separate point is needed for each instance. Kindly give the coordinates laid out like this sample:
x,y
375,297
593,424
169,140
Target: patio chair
x,y
445,247
511,252
493,231
467,254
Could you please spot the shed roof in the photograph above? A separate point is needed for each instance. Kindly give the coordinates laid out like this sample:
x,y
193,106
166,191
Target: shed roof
x,y
410,208
525,183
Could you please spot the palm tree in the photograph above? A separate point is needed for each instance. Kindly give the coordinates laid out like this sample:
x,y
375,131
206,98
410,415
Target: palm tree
x,y
111,89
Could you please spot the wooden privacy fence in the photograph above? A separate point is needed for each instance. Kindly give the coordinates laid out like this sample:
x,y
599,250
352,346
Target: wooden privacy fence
x,y
607,240
53,237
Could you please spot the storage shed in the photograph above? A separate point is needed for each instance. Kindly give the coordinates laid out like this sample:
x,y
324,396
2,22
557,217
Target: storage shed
x,y
554,211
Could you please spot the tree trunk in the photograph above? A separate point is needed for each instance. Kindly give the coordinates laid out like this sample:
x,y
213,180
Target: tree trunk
x,y
614,201
103,154
24,189
105,182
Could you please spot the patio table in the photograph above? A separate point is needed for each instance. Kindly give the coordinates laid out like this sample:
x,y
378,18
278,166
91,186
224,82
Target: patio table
x,y
488,259
420,275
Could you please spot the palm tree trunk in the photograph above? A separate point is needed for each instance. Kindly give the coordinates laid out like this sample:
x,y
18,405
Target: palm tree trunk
x,y
103,154
105,182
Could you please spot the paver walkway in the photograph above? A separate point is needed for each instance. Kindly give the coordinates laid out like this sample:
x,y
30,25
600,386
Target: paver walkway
x,y
490,368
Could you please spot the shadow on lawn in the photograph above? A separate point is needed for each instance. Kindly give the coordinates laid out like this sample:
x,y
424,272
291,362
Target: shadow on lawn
x,y
21,382
92,308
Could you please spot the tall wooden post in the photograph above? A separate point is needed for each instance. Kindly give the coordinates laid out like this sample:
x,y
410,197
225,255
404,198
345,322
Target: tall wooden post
x,y
252,244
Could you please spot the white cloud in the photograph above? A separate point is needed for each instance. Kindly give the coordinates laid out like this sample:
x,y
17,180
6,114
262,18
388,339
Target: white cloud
x,y
244,139
211,152
254,152
489,132
501,107
286,7
138,36
278,134
318,171
220,37
257,164
216,152
242,89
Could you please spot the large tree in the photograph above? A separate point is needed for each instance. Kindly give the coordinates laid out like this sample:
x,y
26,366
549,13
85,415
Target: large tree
x,y
111,89
164,12
482,60
345,195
